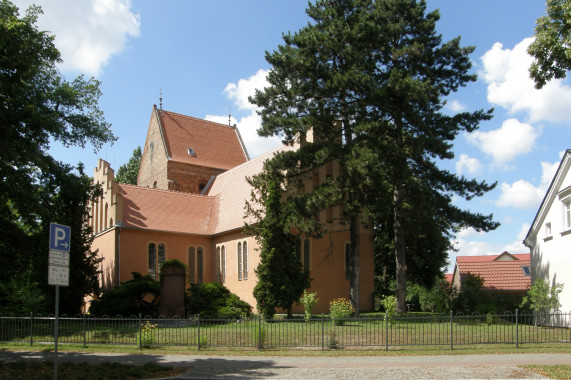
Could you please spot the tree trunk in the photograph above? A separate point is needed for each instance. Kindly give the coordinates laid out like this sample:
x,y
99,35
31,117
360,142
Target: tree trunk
x,y
400,254
354,264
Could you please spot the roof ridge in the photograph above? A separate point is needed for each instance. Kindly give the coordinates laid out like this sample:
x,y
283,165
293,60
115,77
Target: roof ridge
x,y
195,118
164,191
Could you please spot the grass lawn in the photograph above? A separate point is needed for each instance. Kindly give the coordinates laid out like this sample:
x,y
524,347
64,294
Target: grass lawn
x,y
560,371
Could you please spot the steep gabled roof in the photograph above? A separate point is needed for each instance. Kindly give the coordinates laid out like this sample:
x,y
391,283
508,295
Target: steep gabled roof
x,y
499,272
233,191
214,145
548,199
169,211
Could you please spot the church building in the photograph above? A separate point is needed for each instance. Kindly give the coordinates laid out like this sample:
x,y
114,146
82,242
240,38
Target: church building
x,y
189,205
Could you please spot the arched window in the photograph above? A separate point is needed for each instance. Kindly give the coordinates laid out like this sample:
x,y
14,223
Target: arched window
x,y
239,258
245,259
106,207
191,265
221,262
111,222
200,265
152,256
162,256
304,249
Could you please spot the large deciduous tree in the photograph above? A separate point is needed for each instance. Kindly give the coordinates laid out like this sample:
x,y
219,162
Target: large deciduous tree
x,y
37,105
552,45
370,79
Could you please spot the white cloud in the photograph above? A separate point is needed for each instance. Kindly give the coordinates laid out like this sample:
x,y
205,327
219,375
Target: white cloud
x,y
509,85
517,245
251,122
240,92
87,32
468,164
455,106
520,194
506,143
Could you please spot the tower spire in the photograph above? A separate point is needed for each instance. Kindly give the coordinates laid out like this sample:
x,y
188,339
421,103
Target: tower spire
x,y
161,99
229,117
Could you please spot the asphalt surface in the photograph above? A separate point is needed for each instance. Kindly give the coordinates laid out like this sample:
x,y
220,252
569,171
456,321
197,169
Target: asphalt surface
x,y
496,366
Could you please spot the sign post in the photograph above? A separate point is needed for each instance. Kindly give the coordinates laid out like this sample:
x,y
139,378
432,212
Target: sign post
x,y
58,271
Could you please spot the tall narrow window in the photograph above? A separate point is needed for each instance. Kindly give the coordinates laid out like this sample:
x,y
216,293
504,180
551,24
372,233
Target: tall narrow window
x,y
245,260
306,256
218,270
223,263
567,213
162,256
347,261
152,256
200,265
191,265
239,258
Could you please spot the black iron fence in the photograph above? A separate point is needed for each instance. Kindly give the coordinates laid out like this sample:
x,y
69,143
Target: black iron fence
x,y
319,332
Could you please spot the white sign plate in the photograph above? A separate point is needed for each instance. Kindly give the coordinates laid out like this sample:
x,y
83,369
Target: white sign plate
x,y
58,275
59,258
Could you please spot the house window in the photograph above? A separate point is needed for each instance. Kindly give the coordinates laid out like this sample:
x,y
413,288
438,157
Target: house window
x,y
162,256
567,213
526,270
221,262
199,265
547,229
152,256
305,253
245,260
239,258
191,265
347,261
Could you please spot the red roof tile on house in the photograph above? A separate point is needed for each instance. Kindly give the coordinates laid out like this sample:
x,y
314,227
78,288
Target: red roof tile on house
x,y
448,277
162,210
182,132
499,272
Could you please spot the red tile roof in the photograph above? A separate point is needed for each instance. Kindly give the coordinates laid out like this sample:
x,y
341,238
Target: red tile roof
x,y
448,277
182,132
163,210
499,272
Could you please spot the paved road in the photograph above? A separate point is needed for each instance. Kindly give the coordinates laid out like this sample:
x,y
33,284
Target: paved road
x,y
498,366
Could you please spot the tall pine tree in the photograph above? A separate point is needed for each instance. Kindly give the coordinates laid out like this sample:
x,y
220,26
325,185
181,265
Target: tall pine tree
x,y
370,79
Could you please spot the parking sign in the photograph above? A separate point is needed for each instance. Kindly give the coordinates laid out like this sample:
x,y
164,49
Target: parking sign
x,y
60,237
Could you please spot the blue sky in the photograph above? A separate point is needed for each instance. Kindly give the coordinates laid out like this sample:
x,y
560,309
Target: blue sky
x,y
208,56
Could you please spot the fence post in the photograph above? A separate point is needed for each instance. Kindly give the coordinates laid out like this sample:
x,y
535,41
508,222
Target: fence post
x,y
322,333
31,329
198,334
84,329
451,330
140,332
386,333
259,332
516,329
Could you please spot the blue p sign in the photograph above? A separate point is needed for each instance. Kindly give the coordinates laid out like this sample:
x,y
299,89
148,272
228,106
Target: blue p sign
x,y
59,237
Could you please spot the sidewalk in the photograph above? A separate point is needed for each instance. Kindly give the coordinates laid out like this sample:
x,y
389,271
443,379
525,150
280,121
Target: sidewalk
x,y
500,366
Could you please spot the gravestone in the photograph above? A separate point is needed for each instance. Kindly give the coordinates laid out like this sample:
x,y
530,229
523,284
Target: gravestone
x,y
171,302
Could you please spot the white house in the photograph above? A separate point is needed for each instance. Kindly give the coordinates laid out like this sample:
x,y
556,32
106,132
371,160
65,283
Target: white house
x,y
549,238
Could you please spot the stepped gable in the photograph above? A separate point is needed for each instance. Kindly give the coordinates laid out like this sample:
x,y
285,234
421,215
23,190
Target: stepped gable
x,y
214,145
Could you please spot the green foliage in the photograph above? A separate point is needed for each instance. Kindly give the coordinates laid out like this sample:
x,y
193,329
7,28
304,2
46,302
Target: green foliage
x,y
390,305
148,332
309,301
542,297
340,309
129,172
370,78
214,300
470,294
332,341
437,299
20,296
137,296
281,278
551,47
40,106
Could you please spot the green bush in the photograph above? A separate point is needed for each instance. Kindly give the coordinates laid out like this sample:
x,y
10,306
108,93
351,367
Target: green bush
x,y
137,296
340,309
390,305
308,300
214,300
